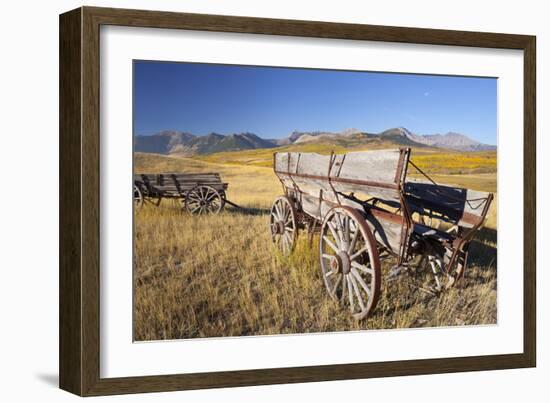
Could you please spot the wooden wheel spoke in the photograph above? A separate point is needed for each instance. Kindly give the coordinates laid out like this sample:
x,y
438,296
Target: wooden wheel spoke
x,y
335,234
346,233
359,253
286,235
287,242
329,243
353,241
340,228
361,281
285,211
286,214
350,295
357,292
343,294
332,224
282,208
289,223
362,267
336,284
277,211
289,219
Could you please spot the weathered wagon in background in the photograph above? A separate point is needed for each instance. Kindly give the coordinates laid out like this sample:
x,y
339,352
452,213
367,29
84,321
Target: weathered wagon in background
x,y
199,193
366,209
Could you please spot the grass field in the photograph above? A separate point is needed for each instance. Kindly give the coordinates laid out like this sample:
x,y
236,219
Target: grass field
x,y
213,276
427,159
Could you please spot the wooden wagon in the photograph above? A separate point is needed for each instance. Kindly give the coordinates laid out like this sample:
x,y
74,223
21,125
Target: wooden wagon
x,y
199,193
366,210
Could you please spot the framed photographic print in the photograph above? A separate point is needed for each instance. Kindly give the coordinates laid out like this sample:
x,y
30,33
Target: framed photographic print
x,y
249,201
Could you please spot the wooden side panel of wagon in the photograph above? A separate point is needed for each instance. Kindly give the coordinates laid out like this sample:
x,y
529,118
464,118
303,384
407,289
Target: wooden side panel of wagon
x,y
317,182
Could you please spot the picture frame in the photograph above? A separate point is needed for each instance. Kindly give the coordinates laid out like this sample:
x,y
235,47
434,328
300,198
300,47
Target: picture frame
x,y
80,154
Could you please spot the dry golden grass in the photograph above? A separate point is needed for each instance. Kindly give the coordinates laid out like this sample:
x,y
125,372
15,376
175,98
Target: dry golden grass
x,y
214,276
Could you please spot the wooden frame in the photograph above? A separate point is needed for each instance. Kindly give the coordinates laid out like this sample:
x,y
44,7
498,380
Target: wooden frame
x,y
79,201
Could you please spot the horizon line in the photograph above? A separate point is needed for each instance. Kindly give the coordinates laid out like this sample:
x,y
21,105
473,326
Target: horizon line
x,y
309,131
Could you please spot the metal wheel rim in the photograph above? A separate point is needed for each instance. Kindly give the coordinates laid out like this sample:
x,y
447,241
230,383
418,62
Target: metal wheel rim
x,y
350,264
203,199
282,225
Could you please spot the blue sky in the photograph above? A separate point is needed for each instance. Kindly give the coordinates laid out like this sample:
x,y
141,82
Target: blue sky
x,y
272,102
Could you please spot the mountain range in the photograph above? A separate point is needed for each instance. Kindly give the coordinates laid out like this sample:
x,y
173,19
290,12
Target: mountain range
x,y
183,143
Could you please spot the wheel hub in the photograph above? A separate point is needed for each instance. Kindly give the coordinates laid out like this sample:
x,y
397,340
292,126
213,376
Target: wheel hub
x,y
341,263
280,227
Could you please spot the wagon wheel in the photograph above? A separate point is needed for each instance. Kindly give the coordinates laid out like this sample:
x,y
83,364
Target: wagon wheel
x,y
138,197
350,263
203,199
283,225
